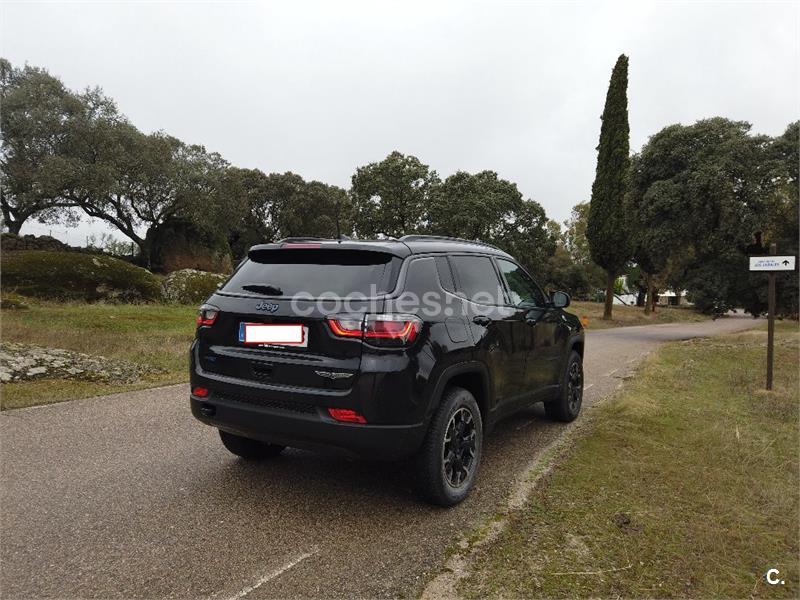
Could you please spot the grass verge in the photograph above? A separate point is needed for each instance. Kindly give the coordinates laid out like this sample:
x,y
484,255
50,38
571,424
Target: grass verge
x,y
686,485
157,335
633,315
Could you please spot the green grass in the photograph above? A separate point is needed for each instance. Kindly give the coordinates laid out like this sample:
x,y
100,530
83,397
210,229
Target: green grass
x,y
684,485
157,335
633,315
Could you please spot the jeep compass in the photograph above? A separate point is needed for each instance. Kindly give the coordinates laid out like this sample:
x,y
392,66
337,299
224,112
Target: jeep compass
x,y
385,349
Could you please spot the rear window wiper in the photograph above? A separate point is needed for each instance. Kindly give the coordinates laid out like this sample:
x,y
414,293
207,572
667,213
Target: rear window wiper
x,y
263,288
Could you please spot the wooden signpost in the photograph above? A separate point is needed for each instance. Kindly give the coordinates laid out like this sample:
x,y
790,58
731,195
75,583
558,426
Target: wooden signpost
x,y
770,265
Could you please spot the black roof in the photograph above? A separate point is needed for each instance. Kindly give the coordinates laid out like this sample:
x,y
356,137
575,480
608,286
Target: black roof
x,y
405,246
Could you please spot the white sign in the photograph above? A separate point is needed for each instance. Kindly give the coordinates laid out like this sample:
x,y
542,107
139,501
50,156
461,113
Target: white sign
x,y
772,263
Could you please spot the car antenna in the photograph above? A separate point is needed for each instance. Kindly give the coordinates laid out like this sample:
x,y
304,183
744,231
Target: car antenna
x,y
339,235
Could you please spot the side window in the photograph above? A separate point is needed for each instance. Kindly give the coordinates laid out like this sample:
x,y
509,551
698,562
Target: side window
x,y
522,289
477,279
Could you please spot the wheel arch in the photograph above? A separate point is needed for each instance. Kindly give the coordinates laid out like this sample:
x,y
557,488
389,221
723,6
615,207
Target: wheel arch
x,y
577,344
473,376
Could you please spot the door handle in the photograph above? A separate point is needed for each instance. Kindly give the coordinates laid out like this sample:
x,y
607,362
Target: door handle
x,y
482,320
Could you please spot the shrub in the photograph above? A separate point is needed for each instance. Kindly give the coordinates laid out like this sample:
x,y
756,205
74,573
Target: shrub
x,y
190,286
12,301
77,276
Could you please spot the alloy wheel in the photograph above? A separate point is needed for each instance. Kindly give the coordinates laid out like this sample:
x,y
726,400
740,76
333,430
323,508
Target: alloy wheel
x,y
459,448
574,386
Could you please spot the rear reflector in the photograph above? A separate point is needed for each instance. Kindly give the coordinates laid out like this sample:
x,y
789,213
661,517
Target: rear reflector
x,y
346,415
200,392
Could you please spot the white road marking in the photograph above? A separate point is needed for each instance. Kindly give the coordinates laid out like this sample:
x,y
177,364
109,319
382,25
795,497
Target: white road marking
x,y
273,574
610,373
587,386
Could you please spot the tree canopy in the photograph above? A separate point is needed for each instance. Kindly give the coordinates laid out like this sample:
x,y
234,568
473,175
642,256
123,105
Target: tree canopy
x,y
37,120
703,197
390,197
482,206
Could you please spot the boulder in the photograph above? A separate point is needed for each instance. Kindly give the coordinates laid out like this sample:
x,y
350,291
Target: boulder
x,y
190,286
77,276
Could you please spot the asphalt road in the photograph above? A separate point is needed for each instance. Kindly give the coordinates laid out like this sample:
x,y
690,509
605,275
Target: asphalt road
x,y
128,496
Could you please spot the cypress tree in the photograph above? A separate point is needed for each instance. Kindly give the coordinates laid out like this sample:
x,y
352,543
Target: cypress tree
x,y
607,229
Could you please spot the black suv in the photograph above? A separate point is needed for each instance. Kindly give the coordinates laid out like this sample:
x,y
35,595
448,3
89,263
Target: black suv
x,y
383,349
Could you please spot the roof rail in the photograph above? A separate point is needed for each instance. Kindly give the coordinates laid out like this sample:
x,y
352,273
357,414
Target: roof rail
x,y
444,238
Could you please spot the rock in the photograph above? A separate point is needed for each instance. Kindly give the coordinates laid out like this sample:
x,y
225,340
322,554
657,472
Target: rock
x,y
77,276
22,362
190,286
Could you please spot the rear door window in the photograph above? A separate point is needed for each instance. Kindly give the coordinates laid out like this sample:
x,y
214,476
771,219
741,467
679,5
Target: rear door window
x,y
315,273
477,279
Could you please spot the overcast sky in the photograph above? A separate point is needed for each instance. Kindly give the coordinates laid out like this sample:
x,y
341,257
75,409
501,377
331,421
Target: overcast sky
x,y
321,88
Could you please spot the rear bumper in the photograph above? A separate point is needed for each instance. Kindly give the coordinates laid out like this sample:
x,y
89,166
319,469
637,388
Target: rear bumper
x,y
310,428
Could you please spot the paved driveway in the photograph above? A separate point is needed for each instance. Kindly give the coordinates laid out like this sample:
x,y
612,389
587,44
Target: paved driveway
x,y
128,496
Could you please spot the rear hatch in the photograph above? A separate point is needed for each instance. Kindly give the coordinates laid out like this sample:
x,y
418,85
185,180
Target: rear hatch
x,y
299,286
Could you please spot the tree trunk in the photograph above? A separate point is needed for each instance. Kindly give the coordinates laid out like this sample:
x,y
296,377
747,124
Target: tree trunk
x,y
649,295
651,299
13,226
612,279
641,297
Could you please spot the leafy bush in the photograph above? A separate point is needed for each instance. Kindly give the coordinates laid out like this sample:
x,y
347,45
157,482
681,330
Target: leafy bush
x,y
77,276
190,286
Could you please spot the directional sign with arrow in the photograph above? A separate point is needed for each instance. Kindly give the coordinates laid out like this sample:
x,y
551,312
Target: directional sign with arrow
x,y
772,263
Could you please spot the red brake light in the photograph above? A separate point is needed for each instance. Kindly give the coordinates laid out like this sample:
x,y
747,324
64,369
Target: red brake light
x,y
206,315
200,392
346,415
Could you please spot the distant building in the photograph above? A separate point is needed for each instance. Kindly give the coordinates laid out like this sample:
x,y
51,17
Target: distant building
x,y
670,298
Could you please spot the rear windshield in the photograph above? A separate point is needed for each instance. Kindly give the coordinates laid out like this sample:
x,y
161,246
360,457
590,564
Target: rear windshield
x,y
315,273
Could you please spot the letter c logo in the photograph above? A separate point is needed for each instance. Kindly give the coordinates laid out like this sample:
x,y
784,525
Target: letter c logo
x,y
773,580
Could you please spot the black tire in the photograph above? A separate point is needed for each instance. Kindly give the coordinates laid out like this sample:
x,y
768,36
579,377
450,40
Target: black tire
x,y
570,397
449,459
248,448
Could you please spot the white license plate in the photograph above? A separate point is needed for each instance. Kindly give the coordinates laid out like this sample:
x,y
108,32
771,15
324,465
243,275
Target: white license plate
x,y
274,335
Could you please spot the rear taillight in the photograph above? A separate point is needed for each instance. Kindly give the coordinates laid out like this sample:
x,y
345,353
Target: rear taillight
x,y
206,315
346,415
346,326
391,330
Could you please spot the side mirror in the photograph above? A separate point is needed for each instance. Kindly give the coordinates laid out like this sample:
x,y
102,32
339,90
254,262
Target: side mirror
x,y
560,299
